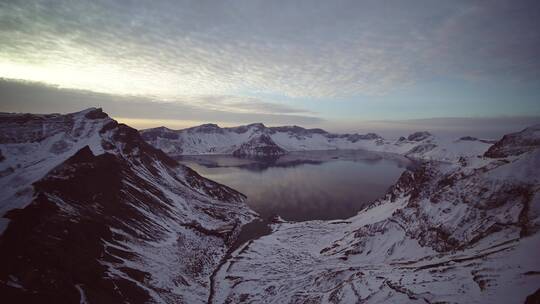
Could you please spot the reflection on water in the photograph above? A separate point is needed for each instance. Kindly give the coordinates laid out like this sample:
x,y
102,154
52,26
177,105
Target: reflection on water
x,y
308,185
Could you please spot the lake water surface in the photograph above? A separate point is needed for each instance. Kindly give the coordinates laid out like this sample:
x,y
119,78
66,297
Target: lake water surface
x,y
308,185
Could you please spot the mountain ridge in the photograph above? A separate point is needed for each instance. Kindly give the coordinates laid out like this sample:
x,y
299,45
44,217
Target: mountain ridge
x,y
211,139
109,217
112,219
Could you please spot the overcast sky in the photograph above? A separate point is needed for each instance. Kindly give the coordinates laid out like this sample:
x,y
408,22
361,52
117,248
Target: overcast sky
x,y
343,65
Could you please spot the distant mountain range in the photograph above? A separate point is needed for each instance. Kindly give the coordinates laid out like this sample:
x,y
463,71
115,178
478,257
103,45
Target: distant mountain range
x,y
261,141
254,139
94,211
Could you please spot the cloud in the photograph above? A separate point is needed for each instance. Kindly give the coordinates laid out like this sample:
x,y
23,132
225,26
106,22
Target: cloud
x,y
243,104
452,127
38,98
486,39
140,112
308,49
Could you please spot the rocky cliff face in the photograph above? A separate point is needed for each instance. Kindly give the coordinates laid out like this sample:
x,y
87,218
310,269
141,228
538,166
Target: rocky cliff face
x,y
459,232
259,146
516,143
92,213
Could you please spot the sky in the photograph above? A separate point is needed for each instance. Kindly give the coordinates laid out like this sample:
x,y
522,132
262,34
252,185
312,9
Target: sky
x,y
346,66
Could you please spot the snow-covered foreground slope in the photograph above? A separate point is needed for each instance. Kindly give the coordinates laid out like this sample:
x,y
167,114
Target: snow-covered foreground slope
x,y
259,140
97,215
462,232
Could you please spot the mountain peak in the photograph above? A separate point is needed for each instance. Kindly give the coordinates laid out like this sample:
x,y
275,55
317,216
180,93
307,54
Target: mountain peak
x,y
298,130
516,143
259,146
257,125
90,112
206,128
419,136
209,125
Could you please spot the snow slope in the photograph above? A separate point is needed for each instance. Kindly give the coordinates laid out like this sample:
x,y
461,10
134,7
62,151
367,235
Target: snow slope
x,y
97,215
461,232
32,145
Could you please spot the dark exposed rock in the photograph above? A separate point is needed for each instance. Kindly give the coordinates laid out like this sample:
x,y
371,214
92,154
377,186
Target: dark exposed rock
x,y
259,146
421,149
356,137
206,128
298,130
468,138
96,114
73,237
419,136
20,128
243,129
516,143
153,134
63,252
66,248
257,126
533,298
211,188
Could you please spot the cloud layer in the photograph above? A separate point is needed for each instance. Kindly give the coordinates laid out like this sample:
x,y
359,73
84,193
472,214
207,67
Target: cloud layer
x,y
141,112
308,49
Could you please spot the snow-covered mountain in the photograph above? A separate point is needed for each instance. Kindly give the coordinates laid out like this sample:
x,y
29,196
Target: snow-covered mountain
x,y
425,146
461,232
259,140
93,214
252,139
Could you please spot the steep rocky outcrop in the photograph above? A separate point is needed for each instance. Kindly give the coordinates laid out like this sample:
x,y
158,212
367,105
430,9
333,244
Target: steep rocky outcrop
x,y
418,136
516,143
259,146
95,214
